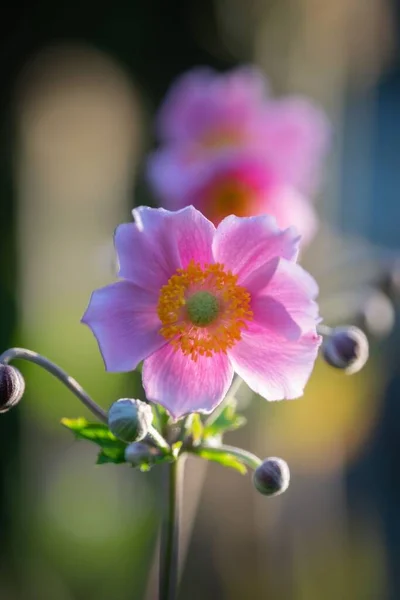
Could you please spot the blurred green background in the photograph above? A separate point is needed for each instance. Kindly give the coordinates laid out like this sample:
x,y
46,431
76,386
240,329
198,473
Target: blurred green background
x,y
80,84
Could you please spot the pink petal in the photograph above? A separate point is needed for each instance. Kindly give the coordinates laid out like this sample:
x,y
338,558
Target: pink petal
x,y
202,100
170,174
274,367
186,232
159,242
288,284
296,290
123,318
296,136
143,260
270,314
242,245
290,207
183,386
257,281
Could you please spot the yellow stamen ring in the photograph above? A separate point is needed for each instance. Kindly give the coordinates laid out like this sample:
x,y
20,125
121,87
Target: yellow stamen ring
x,y
203,310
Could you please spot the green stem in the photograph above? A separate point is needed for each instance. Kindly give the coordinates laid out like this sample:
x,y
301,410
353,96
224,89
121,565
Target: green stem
x,y
236,383
156,439
169,549
67,380
247,458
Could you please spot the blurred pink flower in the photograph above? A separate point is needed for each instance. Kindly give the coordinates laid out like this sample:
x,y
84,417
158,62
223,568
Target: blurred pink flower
x,y
207,113
197,303
238,182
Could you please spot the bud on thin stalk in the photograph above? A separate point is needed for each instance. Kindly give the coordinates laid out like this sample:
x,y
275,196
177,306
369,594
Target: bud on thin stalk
x,y
272,477
12,387
346,348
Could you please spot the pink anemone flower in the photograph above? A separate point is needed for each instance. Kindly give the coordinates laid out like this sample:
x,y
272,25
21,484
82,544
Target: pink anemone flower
x,y
197,303
206,113
239,183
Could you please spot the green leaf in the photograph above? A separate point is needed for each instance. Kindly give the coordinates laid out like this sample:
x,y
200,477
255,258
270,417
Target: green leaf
x,y
161,417
227,420
112,449
149,463
94,432
222,457
111,455
176,449
196,428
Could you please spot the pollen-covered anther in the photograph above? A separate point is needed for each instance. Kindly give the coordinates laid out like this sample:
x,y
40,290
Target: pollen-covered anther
x,y
203,310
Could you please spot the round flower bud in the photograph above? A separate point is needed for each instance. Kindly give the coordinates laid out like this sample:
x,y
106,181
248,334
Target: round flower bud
x,y
346,348
272,477
139,454
12,387
130,420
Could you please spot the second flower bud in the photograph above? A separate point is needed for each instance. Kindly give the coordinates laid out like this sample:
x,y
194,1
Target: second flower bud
x,y
130,419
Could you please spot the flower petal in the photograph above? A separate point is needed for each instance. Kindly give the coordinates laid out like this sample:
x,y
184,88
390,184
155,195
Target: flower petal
x,y
160,242
185,232
290,207
202,100
270,314
143,260
296,136
183,386
123,318
296,290
291,286
242,245
272,366
170,174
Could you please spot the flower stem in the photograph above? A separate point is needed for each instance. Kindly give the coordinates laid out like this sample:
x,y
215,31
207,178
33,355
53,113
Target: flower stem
x,y
324,330
169,549
156,439
67,380
237,382
247,458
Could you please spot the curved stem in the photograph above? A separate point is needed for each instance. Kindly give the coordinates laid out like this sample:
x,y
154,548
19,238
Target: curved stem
x,y
67,380
169,548
236,383
324,330
250,460
154,437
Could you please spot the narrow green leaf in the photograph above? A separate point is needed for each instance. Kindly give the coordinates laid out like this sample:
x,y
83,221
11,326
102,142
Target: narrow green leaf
x,y
223,458
196,428
161,417
176,448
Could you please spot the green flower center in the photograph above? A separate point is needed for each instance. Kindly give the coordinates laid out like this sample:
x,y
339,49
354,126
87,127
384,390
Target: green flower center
x,y
202,308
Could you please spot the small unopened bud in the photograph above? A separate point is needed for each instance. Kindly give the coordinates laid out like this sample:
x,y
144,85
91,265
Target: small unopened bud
x,y
130,420
346,348
272,477
140,454
12,387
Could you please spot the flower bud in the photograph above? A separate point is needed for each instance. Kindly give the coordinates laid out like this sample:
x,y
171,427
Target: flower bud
x,y
139,454
346,348
12,387
130,420
272,477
